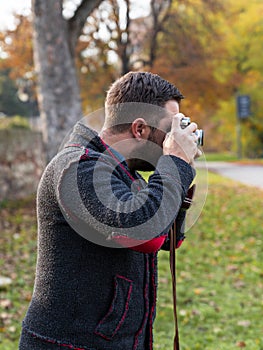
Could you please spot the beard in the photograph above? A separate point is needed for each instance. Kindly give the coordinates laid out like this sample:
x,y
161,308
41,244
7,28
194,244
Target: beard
x,y
146,157
140,165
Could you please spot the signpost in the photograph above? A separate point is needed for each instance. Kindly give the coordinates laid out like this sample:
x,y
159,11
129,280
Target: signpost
x,y
243,106
243,112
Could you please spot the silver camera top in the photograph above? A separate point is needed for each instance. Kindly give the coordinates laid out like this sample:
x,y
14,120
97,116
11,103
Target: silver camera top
x,y
185,121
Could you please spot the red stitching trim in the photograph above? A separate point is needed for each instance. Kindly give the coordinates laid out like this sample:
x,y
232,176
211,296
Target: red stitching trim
x,y
111,308
123,168
125,312
124,278
154,302
85,155
52,341
102,335
109,312
74,145
146,289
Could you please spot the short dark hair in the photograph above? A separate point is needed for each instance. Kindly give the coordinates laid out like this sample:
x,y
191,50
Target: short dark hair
x,y
128,97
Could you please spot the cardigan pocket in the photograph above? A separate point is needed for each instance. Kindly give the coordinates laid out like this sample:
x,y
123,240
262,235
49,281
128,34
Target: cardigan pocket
x,y
115,317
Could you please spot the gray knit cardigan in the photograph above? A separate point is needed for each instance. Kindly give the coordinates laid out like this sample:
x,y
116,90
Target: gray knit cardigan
x,y
92,291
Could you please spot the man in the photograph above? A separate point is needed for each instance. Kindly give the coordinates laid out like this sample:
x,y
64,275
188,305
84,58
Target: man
x,y
101,225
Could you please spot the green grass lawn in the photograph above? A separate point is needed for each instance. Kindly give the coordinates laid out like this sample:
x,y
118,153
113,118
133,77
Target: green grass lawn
x,y
230,157
219,273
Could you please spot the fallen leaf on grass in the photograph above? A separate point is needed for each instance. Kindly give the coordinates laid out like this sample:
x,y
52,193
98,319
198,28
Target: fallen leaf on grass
x,y
196,312
239,284
244,323
12,329
241,344
5,281
198,291
232,268
5,318
182,312
6,303
163,280
217,330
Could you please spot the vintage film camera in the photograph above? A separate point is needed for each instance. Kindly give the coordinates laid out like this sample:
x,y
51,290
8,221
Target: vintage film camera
x,y
185,121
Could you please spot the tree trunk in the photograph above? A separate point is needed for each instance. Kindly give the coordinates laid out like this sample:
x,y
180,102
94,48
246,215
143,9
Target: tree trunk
x,y
59,96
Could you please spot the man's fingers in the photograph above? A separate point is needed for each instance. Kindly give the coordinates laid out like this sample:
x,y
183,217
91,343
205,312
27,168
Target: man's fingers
x,y
191,127
176,121
199,153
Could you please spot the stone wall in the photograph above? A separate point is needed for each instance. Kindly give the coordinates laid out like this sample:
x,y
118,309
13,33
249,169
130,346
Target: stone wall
x,y
22,161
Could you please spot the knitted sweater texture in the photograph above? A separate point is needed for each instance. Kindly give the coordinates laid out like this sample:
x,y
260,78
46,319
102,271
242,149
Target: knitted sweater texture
x,y
92,291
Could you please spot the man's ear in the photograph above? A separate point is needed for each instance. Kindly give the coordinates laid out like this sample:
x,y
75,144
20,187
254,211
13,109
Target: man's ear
x,y
139,129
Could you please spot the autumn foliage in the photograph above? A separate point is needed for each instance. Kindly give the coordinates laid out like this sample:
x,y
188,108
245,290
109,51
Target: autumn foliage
x,y
211,50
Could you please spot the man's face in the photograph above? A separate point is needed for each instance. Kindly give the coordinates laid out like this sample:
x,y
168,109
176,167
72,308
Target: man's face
x,y
156,137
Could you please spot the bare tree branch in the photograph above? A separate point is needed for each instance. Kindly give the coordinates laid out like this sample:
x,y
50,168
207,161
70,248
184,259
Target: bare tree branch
x,y
77,22
160,12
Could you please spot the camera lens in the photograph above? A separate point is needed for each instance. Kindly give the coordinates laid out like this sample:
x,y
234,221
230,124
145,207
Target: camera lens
x,y
200,134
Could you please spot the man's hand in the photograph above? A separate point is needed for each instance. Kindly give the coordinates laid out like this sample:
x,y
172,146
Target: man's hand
x,y
182,143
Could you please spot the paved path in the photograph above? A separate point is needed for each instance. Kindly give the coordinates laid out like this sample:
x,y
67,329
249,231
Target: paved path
x,y
251,175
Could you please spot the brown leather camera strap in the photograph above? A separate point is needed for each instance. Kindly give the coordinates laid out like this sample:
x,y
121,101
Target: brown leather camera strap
x,y
173,273
185,205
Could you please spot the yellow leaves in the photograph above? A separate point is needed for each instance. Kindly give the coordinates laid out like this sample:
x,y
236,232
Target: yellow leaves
x,y
241,65
198,291
17,44
252,77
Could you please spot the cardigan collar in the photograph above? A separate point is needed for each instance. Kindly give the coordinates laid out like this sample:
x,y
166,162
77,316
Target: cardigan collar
x,y
86,137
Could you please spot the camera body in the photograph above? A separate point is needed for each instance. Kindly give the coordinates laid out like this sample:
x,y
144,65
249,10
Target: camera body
x,y
185,121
